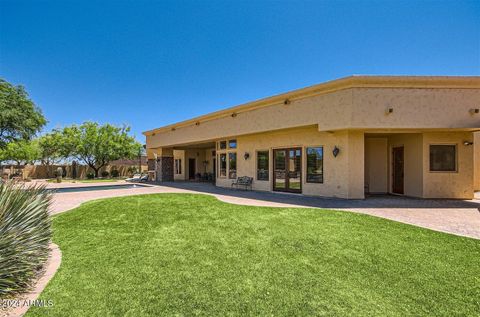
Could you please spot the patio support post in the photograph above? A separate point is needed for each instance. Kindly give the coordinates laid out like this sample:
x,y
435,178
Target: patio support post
x,y
164,165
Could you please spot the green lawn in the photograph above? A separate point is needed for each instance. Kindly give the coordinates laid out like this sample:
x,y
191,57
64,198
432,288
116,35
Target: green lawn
x,y
98,180
184,255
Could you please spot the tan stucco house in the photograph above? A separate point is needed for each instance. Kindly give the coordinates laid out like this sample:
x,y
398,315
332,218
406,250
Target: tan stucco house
x,y
405,135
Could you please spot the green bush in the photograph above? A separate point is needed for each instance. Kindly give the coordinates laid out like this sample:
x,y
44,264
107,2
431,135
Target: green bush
x,y
105,174
115,173
90,175
25,232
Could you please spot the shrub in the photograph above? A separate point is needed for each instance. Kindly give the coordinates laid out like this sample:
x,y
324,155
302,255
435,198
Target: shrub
x,y
115,173
58,172
25,232
105,174
90,175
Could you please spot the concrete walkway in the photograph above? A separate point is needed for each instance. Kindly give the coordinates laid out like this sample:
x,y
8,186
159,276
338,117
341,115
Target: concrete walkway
x,y
460,217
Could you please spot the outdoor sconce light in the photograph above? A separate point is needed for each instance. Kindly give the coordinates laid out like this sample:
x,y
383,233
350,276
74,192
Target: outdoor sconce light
x,y
467,143
388,110
234,115
246,155
287,102
335,151
474,111
173,129
197,123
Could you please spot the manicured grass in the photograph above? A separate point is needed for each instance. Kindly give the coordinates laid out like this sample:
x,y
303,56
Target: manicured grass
x,y
98,180
183,255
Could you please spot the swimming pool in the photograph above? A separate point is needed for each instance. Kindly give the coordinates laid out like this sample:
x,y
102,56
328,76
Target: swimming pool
x,y
93,188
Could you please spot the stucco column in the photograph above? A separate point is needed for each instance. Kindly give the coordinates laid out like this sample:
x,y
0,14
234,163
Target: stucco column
x,y
161,162
356,164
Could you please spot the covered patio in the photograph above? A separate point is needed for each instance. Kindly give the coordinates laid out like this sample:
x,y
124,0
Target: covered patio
x,y
193,162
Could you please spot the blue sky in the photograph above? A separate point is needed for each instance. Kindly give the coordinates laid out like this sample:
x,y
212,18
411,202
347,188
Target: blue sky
x,y
152,63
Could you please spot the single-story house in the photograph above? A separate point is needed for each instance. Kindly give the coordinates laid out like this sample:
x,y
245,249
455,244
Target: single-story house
x,y
404,135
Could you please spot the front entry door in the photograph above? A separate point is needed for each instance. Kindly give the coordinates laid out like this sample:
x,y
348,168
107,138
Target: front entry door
x,y
287,170
191,168
398,170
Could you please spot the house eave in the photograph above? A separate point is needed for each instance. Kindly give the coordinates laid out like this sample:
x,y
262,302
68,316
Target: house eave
x,y
418,82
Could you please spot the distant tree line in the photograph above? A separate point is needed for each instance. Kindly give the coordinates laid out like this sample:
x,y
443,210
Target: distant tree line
x,y
90,143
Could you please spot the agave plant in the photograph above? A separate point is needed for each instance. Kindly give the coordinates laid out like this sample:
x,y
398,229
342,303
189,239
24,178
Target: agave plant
x,y
25,232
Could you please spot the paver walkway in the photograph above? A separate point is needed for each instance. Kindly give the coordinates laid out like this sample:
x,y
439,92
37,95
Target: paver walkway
x,y
460,217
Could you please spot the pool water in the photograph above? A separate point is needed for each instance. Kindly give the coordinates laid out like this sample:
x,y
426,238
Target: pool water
x,y
93,188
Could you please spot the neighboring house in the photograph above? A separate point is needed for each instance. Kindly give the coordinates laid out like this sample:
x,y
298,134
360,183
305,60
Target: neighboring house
x,y
406,135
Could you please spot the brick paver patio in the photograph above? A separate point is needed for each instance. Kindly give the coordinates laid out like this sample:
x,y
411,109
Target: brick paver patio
x,y
460,217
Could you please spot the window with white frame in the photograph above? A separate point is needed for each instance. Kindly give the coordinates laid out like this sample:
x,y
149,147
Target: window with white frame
x,y
262,165
232,144
178,166
232,165
222,167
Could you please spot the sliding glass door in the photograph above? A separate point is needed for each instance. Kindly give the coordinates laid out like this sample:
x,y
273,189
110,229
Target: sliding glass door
x,y
287,170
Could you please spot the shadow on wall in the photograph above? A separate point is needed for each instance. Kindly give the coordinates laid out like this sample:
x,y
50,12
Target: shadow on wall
x,y
476,157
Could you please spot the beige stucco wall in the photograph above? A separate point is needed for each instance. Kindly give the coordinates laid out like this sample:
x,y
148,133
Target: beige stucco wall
x,y
376,164
342,117
200,155
418,180
361,160
343,175
303,112
476,171
449,184
353,108
179,155
414,108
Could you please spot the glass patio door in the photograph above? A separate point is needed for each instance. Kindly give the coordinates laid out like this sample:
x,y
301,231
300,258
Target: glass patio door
x,y
287,170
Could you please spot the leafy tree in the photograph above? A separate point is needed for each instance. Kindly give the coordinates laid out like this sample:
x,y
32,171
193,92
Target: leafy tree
x,y
97,145
52,149
21,152
20,119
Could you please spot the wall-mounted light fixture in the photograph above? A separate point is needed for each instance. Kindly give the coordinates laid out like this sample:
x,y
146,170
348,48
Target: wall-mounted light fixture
x,y
287,102
388,110
173,129
467,143
246,156
234,115
474,111
197,123
335,151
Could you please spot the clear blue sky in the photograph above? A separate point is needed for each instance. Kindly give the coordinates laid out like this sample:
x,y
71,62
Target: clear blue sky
x,y
151,63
